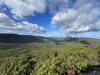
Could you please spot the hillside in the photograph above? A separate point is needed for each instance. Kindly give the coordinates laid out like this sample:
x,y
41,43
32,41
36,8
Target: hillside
x,y
14,38
35,55
21,39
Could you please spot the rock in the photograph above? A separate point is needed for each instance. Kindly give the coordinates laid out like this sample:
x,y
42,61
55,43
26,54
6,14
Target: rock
x,y
72,72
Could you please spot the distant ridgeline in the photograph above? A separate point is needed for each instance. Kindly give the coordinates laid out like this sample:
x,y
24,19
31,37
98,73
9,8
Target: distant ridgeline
x,y
21,39
14,38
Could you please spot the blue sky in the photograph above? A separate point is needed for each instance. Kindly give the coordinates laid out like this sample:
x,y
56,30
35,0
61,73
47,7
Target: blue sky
x,y
62,18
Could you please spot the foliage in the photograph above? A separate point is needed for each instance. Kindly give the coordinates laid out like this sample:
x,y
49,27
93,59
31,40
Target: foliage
x,y
47,58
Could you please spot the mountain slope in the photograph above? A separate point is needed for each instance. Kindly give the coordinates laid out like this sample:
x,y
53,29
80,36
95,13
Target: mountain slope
x,y
14,38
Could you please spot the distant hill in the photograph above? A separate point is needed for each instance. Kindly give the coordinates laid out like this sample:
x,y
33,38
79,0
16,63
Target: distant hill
x,y
14,38
21,39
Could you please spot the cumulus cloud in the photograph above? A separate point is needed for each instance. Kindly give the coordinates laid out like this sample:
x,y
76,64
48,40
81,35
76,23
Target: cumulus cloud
x,y
81,16
23,8
11,26
5,21
31,27
59,5
72,16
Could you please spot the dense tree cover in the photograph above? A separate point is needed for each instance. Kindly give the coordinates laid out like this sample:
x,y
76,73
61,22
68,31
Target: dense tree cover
x,y
47,58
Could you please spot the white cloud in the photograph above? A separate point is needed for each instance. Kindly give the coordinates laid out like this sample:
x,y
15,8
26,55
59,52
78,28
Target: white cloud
x,y
72,16
57,5
81,17
64,16
32,27
11,26
5,21
23,8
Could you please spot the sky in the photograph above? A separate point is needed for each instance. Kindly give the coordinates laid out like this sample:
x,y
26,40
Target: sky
x,y
51,18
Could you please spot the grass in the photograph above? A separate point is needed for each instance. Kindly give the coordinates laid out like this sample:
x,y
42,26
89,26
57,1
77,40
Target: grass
x,y
47,58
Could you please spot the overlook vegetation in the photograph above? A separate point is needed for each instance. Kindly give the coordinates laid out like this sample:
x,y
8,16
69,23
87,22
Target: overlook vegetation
x,y
49,58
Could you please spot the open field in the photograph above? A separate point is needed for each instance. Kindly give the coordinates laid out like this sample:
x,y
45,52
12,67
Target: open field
x,y
49,58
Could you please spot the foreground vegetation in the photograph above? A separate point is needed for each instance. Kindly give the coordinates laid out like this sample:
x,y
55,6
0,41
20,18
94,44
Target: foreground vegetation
x,y
51,58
